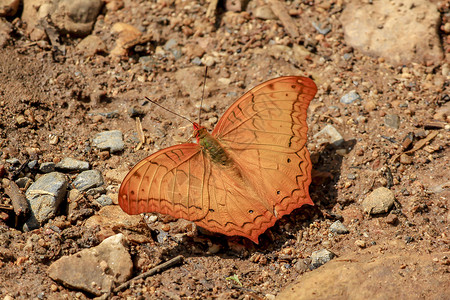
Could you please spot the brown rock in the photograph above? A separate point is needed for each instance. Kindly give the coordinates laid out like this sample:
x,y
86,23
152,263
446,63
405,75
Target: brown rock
x,y
113,216
364,275
378,201
8,8
405,159
379,29
76,17
95,270
126,33
91,45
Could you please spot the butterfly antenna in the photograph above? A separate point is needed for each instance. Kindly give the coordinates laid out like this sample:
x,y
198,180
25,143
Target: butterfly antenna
x,y
203,95
169,110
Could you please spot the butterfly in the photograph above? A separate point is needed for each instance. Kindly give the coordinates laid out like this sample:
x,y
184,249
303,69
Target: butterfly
x,y
240,179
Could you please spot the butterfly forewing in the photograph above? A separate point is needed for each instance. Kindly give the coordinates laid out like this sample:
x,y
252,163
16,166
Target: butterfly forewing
x,y
266,130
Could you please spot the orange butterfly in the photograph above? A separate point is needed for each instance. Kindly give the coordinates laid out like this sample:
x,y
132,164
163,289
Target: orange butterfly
x,y
250,171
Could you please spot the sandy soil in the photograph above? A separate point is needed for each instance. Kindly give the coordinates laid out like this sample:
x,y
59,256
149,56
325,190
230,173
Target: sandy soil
x,y
47,93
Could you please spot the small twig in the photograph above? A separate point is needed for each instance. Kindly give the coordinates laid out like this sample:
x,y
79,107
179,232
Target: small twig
x,y
168,264
18,199
279,9
211,11
6,207
16,173
140,133
417,146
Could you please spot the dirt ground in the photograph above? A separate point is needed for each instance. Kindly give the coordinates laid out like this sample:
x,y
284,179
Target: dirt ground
x,y
64,91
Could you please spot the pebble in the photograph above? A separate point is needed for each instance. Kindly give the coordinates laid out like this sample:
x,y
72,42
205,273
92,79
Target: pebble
x,y
47,167
264,12
197,61
321,257
53,139
24,182
136,111
20,120
76,16
104,200
339,228
68,164
109,140
96,191
321,30
301,266
13,161
330,135
351,97
392,121
45,195
172,46
378,201
370,105
32,164
405,159
95,270
9,8
126,34
110,114
91,45
447,27
2,171
392,219
214,248
113,216
87,180
360,243
270,296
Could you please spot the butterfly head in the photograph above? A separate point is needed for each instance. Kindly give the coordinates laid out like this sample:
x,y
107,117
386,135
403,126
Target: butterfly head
x,y
199,132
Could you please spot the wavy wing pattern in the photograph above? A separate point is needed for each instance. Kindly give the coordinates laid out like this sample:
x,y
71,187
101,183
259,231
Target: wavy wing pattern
x,y
268,175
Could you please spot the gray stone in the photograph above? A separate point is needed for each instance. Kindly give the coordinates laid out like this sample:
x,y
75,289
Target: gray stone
x,y
24,182
330,135
351,97
96,190
71,164
32,164
97,269
321,257
320,29
87,180
402,31
379,201
172,46
109,140
392,121
339,228
47,167
45,196
196,61
13,161
104,200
